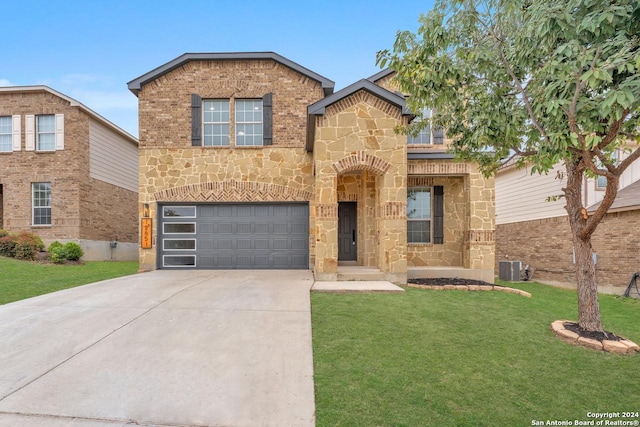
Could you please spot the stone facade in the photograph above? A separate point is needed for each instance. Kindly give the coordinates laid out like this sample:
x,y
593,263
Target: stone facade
x,y
546,245
83,209
327,148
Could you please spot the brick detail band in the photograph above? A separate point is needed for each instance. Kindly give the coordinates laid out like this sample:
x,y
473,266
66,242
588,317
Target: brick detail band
x,y
480,237
419,181
364,97
232,191
362,161
327,211
393,210
438,169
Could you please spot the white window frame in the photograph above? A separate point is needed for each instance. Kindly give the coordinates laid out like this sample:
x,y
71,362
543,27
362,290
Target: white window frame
x,y
426,133
599,185
6,134
195,243
223,127
420,219
34,207
195,260
242,138
164,231
40,133
195,211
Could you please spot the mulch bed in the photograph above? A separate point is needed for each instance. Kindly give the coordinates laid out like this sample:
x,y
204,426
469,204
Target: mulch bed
x,y
446,281
599,336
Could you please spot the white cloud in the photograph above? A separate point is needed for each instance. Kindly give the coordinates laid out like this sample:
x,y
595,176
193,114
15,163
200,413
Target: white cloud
x,y
5,82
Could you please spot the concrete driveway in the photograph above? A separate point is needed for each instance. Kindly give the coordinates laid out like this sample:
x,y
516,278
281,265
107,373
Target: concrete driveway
x,y
165,348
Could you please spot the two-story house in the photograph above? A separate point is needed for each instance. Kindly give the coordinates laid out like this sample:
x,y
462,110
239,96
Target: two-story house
x,y
67,173
250,160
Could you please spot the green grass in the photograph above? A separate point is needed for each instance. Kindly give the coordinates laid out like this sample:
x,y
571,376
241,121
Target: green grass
x,y
455,358
24,279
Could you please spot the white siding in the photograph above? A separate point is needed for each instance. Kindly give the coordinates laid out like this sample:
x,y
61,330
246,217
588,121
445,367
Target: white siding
x,y
631,175
113,158
521,196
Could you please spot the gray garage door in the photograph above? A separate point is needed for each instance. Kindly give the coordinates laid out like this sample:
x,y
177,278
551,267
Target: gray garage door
x,y
234,236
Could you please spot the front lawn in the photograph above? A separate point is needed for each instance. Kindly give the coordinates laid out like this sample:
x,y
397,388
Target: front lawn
x,y
456,358
25,279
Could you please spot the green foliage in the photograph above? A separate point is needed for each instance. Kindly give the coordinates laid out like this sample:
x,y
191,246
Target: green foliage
x,y
27,245
543,79
7,246
73,251
57,254
55,244
3,232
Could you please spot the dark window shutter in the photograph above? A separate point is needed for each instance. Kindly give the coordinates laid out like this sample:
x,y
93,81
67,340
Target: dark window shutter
x,y
267,119
196,120
438,214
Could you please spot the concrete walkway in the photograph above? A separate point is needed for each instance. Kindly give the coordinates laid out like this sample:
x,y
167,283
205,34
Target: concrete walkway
x,y
165,348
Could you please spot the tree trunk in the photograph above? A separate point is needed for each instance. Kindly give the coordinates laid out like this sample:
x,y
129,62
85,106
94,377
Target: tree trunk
x,y
588,305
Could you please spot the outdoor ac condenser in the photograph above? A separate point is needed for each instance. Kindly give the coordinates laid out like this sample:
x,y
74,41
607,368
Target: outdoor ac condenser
x,y
509,270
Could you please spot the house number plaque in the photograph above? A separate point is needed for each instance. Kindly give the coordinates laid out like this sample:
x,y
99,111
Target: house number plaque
x,y
146,228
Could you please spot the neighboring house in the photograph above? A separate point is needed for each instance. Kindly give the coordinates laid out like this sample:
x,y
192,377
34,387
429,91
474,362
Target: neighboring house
x,y
537,232
67,174
250,160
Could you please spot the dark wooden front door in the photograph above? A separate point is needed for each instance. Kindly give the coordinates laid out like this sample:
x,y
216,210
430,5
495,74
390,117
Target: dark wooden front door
x,y
347,231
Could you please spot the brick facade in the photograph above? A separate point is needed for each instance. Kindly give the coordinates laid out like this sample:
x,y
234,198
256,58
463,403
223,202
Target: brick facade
x,y
83,209
546,245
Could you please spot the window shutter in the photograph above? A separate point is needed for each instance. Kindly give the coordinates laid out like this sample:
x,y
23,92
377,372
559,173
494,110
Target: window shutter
x,y
16,142
267,119
59,131
438,214
30,132
196,120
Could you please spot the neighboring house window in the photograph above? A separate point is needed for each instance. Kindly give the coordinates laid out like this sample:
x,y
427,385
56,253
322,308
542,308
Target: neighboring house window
x,y
428,135
41,203
6,134
601,181
216,122
419,215
46,132
248,122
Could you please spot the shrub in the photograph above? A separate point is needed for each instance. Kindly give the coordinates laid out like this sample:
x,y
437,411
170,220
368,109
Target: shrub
x,y
7,246
57,253
53,245
73,251
27,246
3,232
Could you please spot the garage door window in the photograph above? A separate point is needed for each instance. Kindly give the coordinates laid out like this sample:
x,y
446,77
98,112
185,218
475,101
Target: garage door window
x,y
179,211
179,228
179,261
179,244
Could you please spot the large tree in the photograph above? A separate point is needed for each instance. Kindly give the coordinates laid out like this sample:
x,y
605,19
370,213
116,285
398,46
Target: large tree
x,y
541,82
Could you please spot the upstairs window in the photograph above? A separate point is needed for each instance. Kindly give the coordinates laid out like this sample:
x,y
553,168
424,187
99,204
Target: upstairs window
x,y
249,122
428,135
6,134
46,132
216,122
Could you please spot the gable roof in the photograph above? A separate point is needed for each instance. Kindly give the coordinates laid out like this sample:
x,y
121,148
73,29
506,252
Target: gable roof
x,y
135,85
628,199
380,75
73,103
318,108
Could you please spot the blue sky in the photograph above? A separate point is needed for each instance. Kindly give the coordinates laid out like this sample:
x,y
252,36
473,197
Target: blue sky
x,y
90,49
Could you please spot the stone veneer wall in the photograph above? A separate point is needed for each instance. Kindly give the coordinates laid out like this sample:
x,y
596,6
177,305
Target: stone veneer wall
x,y
546,245
268,174
356,135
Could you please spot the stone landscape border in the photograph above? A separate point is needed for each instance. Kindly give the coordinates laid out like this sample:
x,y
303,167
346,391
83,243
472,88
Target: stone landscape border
x,y
624,346
471,288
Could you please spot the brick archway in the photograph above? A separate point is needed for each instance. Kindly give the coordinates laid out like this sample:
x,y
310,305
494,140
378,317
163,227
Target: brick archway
x,y
233,191
362,161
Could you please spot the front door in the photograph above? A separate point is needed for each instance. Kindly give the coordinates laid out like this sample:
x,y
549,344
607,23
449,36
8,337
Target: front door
x,y
347,231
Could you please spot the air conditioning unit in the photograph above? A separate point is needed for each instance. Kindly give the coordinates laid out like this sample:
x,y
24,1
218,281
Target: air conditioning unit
x,y
509,270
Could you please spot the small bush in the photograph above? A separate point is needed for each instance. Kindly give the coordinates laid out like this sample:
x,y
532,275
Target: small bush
x,y
3,232
57,253
27,246
7,246
73,251
53,245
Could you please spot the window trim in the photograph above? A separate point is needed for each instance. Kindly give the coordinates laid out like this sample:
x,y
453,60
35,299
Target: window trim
x,y
598,187
38,133
191,239
236,123
33,205
171,233
205,123
195,211
195,261
8,134
431,214
434,134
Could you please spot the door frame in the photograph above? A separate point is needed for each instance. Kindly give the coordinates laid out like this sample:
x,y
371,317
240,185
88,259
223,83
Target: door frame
x,y
352,210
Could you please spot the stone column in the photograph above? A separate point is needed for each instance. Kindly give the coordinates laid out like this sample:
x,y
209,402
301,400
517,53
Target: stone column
x,y
326,225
